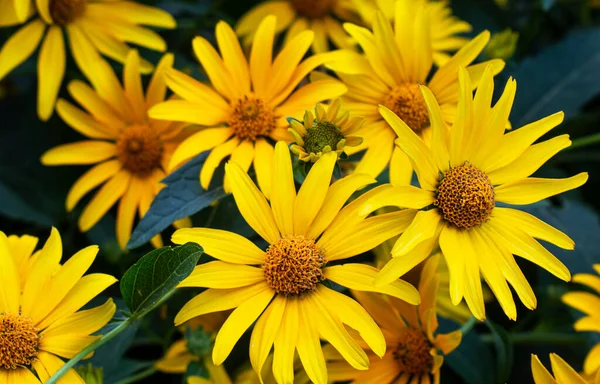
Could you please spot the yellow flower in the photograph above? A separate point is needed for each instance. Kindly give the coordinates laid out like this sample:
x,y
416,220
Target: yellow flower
x,y
467,169
444,28
249,101
324,131
395,62
589,304
13,12
413,345
93,27
305,231
563,372
131,151
40,321
297,16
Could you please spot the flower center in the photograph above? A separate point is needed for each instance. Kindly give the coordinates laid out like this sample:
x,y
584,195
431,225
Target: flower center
x,y
65,11
465,196
293,265
407,102
313,9
412,352
19,341
321,135
140,150
251,118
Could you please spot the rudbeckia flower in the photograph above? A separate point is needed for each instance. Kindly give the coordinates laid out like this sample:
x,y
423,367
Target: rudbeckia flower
x,y
395,62
130,151
413,354
462,175
282,287
296,16
93,27
324,131
563,372
588,303
248,102
40,321
444,28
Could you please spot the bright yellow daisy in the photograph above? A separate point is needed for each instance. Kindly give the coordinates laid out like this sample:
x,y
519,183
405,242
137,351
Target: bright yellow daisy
x,y
324,131
296,16
413,354
563,372
395,62
249,101
444,28
94,27
463,174
589,304
40,321
283,287
130,151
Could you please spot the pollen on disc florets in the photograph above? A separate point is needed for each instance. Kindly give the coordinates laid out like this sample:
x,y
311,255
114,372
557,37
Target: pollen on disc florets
x,y
65,11
412,353
313,9
251,117
140,150
465,196
321,135
19,341
293,265
407,102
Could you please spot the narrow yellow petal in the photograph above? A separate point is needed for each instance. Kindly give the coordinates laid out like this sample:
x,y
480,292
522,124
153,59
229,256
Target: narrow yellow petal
x,y
83,322
20,46
83,152
106,197
425,225
309,347
90,180
261,55
222,275
563,372
51,70
283,193
265,331
532,190
11,285
263,165
132,81
285,344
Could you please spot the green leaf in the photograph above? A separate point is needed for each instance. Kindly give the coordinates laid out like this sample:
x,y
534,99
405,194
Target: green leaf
x,y
472,360
504,352
148,282
563,77
182,197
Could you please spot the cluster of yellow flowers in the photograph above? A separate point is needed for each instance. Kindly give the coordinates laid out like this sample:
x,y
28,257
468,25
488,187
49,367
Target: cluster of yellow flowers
x,y
401,95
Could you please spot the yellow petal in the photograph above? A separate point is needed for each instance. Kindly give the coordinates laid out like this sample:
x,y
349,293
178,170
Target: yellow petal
x,y
261,55
398,196
400,265
96,106
90,180
186,111
285,344
233,56
309,347
532,190
563,372
11,285
222,275
194,91
283,193
127,210
133,86
157,88
51,70
81,121
265,331
83,152
20,46
288,59
106,197
263,165
215,69
136,13
201,141
83,322
452,251
424,226
214,159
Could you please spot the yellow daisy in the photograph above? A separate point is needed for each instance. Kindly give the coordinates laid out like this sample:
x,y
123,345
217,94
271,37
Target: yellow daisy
x,y
395,62
283,287
324,131
296,16
14,12
410,333
249,101
467,169
589,304
563,372
444,28
130,151
40,321
93,27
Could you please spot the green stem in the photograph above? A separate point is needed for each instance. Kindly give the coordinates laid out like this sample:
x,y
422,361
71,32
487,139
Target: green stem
x,y
540,338
585,141
91,348
139,376
466,328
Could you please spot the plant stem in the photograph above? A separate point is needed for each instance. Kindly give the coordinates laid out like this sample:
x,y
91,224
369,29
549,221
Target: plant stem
x,y
540,338
585,141
91,348
466,328
139,376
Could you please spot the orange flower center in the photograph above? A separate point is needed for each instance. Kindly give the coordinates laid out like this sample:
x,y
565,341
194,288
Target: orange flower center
x,y
412,353
251,118
407,102
19,341
140,150
65,11
313,9
465,196
293,265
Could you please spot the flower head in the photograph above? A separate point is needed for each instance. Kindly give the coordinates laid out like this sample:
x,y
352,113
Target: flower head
x,y
282,286
324,131
563,372
463,174
130,151
40,321
397,58
94,27
248,102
